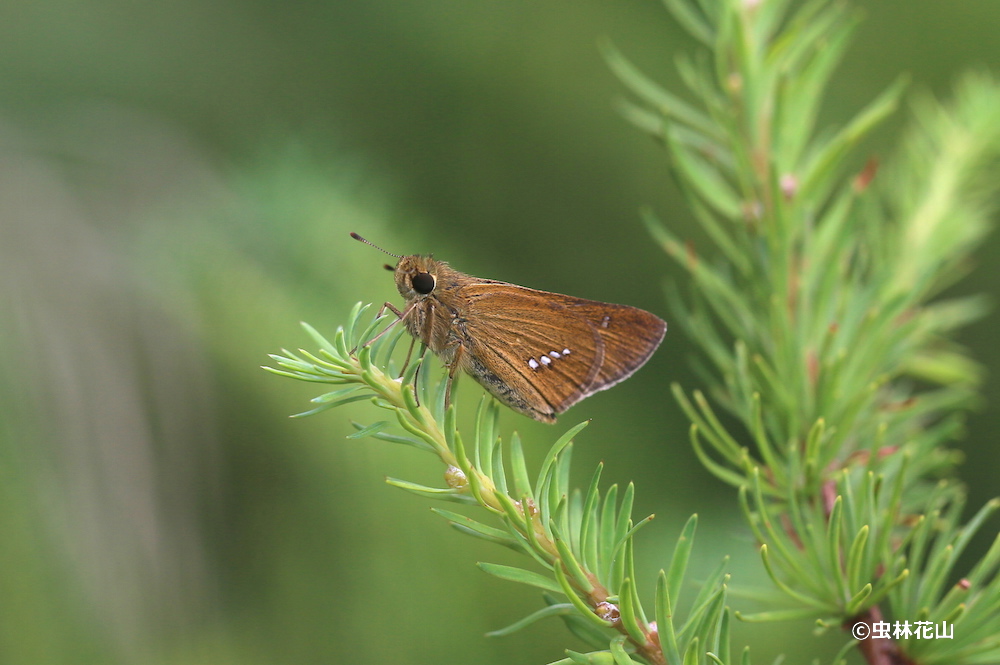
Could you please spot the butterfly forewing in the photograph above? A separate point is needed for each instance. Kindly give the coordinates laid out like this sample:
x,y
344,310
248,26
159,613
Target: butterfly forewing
x,y
554,350
630,335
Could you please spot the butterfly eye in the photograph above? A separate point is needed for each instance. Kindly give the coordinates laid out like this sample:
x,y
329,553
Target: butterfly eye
x,y
423,282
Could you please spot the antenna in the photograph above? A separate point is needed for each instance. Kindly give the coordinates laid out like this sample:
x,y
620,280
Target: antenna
x,y
368,242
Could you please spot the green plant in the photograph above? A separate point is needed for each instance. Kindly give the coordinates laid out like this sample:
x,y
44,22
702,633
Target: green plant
x,y
581,539
822,323
827,339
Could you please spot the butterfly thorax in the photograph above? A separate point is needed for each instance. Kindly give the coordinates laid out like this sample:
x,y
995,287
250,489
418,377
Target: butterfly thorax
x,y
433,312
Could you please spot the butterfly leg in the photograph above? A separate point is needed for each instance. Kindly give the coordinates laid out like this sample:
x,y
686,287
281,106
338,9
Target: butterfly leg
x,y
388,306
452,368
381,310
416,374
425,336
409,354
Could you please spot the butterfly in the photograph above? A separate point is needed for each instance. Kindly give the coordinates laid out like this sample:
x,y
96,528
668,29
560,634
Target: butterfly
x,y
537,352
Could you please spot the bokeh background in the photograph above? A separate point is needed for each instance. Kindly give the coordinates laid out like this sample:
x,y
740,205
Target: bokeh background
x,y
177,182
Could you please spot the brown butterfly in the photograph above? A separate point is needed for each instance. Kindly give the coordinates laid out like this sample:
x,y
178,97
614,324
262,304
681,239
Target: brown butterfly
x,y
537,352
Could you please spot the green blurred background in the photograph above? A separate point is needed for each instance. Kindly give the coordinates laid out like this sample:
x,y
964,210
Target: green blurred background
x,y
177,181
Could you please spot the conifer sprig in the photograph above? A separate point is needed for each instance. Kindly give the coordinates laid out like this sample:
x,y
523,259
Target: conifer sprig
x,y
820,314
817,296
581,541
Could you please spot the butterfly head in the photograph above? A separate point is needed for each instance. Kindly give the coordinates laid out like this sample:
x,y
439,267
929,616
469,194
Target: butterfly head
x,y
416,276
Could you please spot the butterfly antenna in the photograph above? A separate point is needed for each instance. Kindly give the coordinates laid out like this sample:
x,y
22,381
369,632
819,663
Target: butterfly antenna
x,y
368,242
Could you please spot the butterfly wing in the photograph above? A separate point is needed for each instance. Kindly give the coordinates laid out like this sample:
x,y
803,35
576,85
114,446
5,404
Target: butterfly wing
x,y
540,352
630,336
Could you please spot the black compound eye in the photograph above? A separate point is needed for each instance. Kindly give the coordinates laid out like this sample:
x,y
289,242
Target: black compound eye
x,y
423,282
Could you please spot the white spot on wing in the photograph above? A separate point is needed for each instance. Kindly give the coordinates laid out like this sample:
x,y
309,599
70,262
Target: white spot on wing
x,y
532,363
565,352
546,361
554,354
